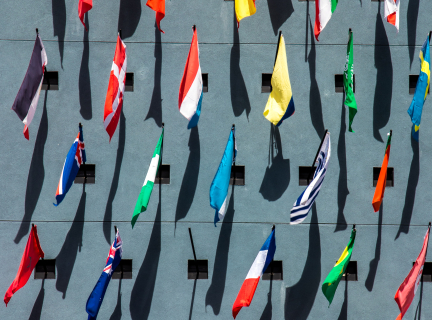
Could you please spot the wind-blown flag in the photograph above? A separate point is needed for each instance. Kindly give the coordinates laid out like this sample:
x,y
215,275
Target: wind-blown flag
x,y
147,188
75,157
422,88
96,297
323,12
116,86
280,104
305,201
191,85
348,76
28,95
32,253
83,7
220,184
159,7
382,179
262,261
391,12
244,8
407,290
334,277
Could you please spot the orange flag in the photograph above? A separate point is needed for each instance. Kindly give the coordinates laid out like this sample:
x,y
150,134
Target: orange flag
x,y
382,179
159,7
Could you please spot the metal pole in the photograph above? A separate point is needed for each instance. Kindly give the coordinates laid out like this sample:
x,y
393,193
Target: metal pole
x,y
234,167
193,250
316,156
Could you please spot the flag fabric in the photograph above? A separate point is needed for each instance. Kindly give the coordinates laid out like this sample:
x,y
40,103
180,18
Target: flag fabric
x,y
382,179
96,297
116,87
32,253
28,95
334,277
83,7
305,201
244,8
220,183
262,261
147,188
391,12
323,12
422,88
280,104
191,85
75,157
348,76
159,7
407,290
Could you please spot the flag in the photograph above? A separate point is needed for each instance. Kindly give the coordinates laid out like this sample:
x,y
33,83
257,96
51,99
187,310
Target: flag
x,y
262,261
116,86
305,201
334,277
220,184
32,253
159,7
147,188
348,76
280,104
75,157
382,179
191,85
28,95
391,12
96,297
323,12
83,7
407,290
244,8
422,88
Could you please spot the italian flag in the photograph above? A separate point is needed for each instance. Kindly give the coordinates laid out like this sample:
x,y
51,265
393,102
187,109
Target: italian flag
x,y
323,13
382,179
147,187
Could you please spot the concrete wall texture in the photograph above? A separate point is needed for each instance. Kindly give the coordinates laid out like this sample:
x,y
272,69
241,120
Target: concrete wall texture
x,y
79,232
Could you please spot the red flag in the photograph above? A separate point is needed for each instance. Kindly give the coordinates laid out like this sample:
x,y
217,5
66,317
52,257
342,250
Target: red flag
x,y
32,253
407,290
83,7
382,179
159,7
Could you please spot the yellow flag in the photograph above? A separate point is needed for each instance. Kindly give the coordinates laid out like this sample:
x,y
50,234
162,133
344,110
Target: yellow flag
x,y
244,8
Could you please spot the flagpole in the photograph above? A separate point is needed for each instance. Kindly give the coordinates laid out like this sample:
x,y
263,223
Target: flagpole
x,y
194,27
316,156
193,250
37,31
45,268
234,173
119,32
277,48
115,230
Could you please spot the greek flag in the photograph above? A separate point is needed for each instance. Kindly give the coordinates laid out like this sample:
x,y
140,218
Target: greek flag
x,y
303,204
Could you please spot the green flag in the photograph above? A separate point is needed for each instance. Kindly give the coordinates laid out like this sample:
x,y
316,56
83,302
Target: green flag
x,y
331,282
348,82
147,187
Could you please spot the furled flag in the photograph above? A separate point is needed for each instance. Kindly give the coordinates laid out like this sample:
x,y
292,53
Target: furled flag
x,y
407,290
391,12
334,277
305,201
191,85
421,91
220,184
348,76
262,261
83,7
244,8
323,12
75,157
147,188
382,179
116,86
280,104
32,253
28,95
159,7
96,297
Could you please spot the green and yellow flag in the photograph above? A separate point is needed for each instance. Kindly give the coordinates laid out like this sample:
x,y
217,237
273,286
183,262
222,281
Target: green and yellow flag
x,y
331,282
348,78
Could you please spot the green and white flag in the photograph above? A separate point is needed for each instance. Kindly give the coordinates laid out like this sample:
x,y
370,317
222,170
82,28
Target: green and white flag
x,y
147,187
350,101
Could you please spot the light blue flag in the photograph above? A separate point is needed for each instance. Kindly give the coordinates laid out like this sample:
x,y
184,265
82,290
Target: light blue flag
x,y
422,88
220,184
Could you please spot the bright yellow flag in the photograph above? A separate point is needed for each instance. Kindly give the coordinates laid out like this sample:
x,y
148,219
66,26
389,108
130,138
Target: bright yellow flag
x,y
244,8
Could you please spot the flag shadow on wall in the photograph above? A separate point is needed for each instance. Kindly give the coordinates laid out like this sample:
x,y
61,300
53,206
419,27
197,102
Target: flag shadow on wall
x,y
37,307
117,313
84,86
129,17
59,24
279,11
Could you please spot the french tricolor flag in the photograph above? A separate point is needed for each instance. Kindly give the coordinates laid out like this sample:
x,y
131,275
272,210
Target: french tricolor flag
x,y
191,85
262,261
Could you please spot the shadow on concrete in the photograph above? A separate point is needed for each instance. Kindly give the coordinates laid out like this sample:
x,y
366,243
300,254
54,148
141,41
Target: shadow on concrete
x,y
373,265
84,79
129,17
117,313
268,310
193,299
343,315
412,14
279,11
59,24
37,307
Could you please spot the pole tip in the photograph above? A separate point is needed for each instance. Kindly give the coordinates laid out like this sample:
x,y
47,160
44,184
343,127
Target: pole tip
x,y
391,132
115,229
350,30
80,125
194,27
354,226
37,31
33,225
119,32
280,33
233,125
430,32
429,223
163,124
273,227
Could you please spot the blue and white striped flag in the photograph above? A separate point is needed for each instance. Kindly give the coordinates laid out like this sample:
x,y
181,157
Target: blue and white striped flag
x,y
303,204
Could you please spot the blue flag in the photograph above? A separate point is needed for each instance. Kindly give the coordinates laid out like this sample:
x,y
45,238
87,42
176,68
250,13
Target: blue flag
x,y
422,88
96,297
220,184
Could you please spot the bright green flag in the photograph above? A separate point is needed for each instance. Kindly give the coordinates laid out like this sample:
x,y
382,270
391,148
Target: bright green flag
x,y
350,101
147,187
331,282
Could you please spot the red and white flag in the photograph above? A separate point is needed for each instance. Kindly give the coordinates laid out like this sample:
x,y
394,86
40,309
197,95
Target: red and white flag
x,y
83,7
391,12
116,86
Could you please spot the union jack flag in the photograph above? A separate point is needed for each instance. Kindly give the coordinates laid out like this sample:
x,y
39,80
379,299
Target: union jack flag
x,y
114,255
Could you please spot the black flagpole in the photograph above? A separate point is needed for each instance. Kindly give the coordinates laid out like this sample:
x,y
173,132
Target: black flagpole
x,y
316,156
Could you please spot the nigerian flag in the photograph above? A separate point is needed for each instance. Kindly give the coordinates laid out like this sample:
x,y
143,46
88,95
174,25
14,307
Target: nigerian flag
x,y
331,282
348,81
147,187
